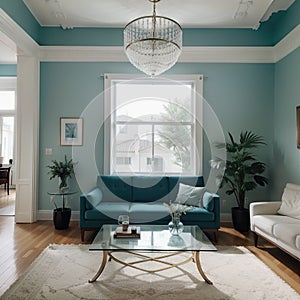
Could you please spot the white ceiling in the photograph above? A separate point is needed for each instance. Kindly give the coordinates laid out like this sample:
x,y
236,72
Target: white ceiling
x,y
189,13
117,13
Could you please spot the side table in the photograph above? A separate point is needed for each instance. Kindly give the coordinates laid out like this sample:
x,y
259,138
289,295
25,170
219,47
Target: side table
x,y
61,215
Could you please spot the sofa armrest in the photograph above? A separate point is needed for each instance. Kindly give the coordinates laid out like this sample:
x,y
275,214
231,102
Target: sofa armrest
x,y
263,208
90,199
211,202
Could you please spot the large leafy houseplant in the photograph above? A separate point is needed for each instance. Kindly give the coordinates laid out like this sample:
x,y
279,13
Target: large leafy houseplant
x,y
63,170
243,172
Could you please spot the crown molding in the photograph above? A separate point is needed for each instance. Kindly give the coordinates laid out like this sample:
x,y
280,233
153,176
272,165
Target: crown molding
x,y
271,54
218,54
25,44
288,44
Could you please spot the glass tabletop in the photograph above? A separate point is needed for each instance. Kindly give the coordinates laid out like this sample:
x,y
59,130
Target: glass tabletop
x,y
58,193
153,238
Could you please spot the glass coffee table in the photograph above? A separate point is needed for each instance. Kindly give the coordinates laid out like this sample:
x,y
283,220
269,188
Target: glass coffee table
x,y
153,238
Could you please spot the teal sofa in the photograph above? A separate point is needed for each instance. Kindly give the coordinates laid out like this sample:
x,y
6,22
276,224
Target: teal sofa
x,y
142,198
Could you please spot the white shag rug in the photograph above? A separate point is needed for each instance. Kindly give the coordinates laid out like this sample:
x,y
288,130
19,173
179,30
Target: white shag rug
x,y
61,272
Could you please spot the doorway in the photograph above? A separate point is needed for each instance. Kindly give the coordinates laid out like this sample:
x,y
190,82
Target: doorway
x,y
8,86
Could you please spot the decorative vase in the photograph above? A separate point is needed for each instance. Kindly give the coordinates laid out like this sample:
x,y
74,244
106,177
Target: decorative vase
x,y
175,226
63,185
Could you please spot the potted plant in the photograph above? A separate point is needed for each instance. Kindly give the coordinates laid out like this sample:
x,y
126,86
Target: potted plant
x,y
63,170
242,173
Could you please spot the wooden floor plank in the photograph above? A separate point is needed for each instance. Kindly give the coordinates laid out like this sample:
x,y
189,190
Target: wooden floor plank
x,y
21,244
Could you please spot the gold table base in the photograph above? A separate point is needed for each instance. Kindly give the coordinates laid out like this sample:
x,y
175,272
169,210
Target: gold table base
x,y
195,257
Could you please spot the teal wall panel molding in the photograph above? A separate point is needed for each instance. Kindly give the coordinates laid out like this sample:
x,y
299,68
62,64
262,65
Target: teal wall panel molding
x,y
8,70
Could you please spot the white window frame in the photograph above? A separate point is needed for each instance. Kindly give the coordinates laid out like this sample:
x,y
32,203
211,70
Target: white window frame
x,y
10,84
197,81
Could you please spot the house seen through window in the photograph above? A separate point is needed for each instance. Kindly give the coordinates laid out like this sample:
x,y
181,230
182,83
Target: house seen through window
x,y
154,125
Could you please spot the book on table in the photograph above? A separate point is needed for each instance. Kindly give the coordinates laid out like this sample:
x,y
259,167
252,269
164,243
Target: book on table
x,y
131,232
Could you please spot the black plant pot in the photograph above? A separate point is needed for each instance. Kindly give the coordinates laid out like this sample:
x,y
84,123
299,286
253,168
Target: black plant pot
x,y
240,219
61,218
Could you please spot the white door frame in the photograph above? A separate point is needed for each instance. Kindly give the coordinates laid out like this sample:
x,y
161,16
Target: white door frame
x,y
27,119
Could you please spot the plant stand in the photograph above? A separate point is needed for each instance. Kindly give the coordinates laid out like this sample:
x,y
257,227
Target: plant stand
x,y
61,218
61,215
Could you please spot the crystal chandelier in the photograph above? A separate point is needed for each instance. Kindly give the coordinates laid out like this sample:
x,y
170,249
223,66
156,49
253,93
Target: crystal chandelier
x,y
153,43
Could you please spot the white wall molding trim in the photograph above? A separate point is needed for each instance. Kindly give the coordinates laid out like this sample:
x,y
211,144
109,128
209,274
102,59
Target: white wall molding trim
x,y
227,54
288,44
189,54
82,53
216,54
8,83
45,215
26,45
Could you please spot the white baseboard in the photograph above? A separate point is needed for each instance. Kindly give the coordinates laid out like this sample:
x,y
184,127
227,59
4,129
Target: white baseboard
x,y
45,215
225,217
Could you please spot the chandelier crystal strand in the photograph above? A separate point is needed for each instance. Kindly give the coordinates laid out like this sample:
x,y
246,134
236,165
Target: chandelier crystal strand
x,y
153,43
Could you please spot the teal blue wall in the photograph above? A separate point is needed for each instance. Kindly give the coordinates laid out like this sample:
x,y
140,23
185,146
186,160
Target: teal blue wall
x,y
19,12
240,94
284,21
8,70
191,37
287,96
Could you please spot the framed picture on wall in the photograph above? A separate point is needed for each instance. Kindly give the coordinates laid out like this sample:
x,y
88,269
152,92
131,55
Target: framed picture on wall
x,y
71,131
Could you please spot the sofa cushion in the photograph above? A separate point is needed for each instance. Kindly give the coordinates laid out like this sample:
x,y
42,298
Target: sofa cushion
x,y
150,188
290,205
93,197
174,182
115,188
287,233
147,212
208,201
266,222
190,195
197,214
108,210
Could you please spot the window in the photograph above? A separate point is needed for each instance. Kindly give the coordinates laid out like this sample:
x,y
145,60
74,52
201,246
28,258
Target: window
x,y
7,118
155,123
123,160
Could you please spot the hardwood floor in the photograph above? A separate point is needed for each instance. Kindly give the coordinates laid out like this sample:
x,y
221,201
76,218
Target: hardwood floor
x,y
22,243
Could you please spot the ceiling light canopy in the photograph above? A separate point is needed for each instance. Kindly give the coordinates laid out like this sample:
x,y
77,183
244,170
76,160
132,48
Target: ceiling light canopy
x,y
153,43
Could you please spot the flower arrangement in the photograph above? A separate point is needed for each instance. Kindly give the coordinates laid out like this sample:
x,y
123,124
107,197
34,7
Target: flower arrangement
x,y
176,209
63,170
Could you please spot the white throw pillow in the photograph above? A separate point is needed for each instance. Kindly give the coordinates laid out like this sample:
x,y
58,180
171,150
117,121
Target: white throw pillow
x,y
190,195
290,201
